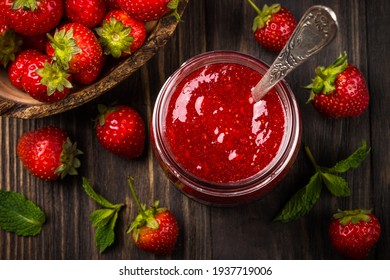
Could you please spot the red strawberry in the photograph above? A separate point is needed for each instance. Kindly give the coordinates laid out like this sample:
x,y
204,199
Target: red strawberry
x,y
75,47
18,67
32,17
354,232
154,230
48,153
148,10
121,130
10,43
87,12
45,81
339,90
88,76
120,35
273,26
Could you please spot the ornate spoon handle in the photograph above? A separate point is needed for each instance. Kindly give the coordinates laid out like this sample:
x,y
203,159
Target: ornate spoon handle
x,y
316,29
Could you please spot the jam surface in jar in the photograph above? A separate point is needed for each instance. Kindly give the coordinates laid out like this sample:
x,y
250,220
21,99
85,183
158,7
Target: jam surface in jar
x,y
214,128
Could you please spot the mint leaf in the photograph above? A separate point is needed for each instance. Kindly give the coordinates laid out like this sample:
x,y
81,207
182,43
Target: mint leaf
x,y
104,220
105,235
19,215
95,196
101,217
302,201
336,185
353,161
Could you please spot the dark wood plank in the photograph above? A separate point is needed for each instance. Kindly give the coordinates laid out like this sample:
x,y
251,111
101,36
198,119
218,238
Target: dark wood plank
x,y
378,67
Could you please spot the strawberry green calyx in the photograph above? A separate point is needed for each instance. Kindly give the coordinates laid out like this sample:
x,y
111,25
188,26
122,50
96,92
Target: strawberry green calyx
x,y
64,46
353,216
103,112
146,216
54,77
173,5
115,38
10,44
69,160
31,5
263,15
326,76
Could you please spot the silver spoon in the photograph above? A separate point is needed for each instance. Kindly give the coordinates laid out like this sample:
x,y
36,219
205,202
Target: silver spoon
x,y
316,29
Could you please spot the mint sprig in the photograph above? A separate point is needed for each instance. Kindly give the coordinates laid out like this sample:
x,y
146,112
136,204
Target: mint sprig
x,y
20,215
104,219
305,198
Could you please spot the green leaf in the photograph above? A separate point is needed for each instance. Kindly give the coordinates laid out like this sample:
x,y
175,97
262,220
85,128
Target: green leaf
x,y
19,215
152,223
101,217
336,185
302,201
95,196
353,161
104,219
105,235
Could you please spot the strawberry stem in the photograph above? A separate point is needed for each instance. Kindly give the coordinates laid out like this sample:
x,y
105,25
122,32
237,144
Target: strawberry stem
x,y
65,46
325,77
54,77
263,15
69,160
31,5
311,157
254,7
134,194
353,216
173,5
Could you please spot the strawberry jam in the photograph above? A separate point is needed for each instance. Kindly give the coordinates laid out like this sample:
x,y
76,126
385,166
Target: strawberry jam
x,y
214,128
213,141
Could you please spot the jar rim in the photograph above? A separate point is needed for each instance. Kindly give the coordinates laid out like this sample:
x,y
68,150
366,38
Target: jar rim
x,y
287,147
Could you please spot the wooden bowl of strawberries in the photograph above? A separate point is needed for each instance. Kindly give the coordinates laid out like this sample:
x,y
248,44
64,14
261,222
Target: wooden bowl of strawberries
x,y
56,55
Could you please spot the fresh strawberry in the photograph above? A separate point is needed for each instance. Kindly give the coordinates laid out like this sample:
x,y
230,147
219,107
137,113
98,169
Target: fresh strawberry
x,y
273,26
32,17
112,5
121,130
354,232
148,10
339,90
75,47
88,76
89,13
120,35
19,66
46,81
48,153
10,44
155,229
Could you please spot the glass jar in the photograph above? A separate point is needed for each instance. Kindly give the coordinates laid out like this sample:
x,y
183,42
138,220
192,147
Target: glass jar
x,y
227,193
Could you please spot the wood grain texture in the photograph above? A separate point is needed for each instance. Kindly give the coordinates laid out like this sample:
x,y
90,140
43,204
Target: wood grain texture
x,y
243,232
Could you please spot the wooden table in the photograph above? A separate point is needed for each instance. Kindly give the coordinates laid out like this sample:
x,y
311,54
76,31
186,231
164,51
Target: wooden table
x,y
243,232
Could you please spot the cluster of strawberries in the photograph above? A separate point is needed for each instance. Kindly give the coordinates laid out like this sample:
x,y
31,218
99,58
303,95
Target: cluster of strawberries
x,y
47,45
337,91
